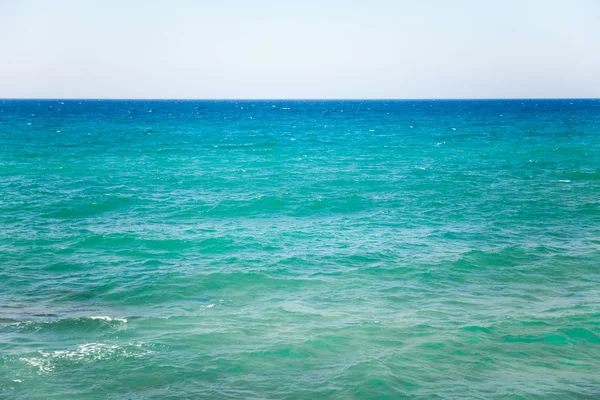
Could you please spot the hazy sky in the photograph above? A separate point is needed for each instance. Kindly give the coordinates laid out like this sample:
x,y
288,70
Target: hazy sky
x,y
299,49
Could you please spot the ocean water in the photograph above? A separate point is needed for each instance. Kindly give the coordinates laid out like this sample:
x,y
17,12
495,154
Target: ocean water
x,y
300,249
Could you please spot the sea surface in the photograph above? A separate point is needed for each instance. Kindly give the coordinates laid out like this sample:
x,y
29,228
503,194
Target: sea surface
x,y
300,249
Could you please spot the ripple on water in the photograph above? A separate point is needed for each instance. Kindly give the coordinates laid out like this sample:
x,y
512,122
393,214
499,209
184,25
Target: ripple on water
x,y
193,252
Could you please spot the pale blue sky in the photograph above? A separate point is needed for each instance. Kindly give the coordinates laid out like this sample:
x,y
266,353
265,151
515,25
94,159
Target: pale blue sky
x,y
299,49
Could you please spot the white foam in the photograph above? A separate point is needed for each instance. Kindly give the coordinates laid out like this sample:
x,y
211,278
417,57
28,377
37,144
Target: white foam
x,y
42,364
45,360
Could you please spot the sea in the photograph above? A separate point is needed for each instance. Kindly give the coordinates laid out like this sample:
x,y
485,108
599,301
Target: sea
x,y
286,249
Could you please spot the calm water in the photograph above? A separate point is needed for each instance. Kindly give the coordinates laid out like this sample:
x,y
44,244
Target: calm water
x,y
299,250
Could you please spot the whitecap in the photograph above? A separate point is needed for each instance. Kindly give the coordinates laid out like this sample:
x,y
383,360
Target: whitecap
x,y
45,361
40,363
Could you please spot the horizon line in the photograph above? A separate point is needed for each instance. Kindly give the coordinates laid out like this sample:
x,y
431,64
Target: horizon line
x,y
293,99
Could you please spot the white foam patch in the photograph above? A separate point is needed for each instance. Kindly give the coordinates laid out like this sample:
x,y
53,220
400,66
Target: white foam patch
x,y
46,361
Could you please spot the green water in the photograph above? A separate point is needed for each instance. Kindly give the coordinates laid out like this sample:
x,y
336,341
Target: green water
x,y
300,250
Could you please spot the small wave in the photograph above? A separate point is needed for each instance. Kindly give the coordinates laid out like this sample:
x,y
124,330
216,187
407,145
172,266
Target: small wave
x,y
109,319
91,322
476,328
48,361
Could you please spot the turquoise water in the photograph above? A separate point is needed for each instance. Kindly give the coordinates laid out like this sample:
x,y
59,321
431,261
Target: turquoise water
x,y
300,250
